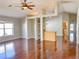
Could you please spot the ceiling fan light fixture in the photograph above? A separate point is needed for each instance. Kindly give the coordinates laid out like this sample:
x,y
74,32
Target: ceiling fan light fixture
x,y
24,8
32,14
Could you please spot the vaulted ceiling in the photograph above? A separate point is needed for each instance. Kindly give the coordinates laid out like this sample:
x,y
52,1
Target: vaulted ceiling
x,y
18,13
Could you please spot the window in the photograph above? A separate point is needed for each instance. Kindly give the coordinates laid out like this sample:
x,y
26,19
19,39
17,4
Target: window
x,y
1,30
6,29
71,37
71,27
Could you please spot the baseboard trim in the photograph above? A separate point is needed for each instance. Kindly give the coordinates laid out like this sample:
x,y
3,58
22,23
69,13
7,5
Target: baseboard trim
x,y
2,41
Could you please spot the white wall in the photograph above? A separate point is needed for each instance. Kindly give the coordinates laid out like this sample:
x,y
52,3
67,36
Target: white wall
x,y
28,28
17,28
31,25
54,24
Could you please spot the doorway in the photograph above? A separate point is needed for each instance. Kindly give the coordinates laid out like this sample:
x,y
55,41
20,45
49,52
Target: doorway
x,y
69,35
72,30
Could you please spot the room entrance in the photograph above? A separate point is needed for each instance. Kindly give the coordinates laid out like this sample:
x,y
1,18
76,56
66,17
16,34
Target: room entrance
x,y
69,34
69,29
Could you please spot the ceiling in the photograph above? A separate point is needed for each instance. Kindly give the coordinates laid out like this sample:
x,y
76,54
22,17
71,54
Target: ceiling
x,y
18,13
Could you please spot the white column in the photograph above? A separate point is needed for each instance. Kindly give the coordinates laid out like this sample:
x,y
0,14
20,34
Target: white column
x,y
35,29
77,41
35,23
41,36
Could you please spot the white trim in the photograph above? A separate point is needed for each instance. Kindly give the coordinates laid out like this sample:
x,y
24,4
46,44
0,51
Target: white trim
x,y
31,37
77,41
4,40
41,36
48,15
42,16
35,28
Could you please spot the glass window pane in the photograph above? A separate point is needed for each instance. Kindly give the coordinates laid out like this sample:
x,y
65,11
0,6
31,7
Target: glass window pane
x,y
71,37
8,32
71,27
1,25
1,32
8,25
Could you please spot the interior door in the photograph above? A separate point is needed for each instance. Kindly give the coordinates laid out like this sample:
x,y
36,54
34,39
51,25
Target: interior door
x,y
72,37
72,32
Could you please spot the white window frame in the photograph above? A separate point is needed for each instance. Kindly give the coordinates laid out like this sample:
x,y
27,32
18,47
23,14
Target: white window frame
x,y
7,28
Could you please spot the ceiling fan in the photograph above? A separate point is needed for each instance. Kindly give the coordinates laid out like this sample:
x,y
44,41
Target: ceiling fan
x,y
24,5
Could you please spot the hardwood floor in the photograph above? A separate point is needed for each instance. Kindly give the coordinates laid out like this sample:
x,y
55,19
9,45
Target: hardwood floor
x,y
23,49
67,52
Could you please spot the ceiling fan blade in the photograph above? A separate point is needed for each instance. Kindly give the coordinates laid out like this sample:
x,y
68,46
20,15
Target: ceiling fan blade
x,y
31,5
24,1
10,5
23,8
15,5
30,8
